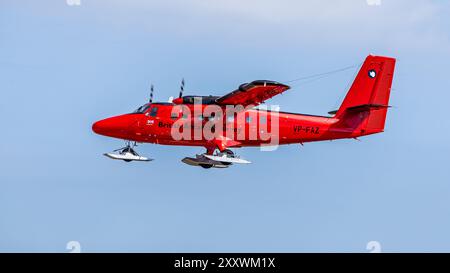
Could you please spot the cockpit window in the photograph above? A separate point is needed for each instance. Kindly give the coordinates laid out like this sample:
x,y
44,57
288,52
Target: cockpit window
x,y
142,109
154,111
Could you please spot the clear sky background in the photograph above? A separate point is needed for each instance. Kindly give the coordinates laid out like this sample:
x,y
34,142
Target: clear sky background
x,y
62,67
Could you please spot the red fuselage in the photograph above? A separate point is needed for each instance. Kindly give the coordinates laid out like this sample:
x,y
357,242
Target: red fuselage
x,y
246,127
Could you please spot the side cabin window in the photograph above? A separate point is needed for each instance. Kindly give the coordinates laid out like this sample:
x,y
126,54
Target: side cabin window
x,y
213,116
174,115
262,119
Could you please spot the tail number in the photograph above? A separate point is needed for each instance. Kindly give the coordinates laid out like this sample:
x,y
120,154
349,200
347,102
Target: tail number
x,y
306,129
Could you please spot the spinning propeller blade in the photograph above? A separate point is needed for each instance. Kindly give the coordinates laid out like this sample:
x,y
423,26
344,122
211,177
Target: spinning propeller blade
x,y
151,94
181,88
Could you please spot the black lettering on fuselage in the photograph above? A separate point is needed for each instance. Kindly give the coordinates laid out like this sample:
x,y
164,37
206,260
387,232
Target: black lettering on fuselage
x,y
164,125
306,129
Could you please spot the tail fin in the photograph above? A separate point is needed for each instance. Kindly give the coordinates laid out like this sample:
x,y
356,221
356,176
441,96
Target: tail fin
x,y
365,105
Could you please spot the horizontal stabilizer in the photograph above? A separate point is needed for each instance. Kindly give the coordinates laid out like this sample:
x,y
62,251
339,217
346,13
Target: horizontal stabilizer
x,y
367,107
332,112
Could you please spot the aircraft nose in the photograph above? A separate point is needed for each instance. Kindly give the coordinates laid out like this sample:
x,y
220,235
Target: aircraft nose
x,y
99,127
113,127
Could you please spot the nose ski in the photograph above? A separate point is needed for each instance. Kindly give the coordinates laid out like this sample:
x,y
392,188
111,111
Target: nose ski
x,y
127,154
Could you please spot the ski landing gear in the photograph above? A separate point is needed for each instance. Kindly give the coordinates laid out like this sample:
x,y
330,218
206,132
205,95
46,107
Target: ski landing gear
x,y
215,160
127,154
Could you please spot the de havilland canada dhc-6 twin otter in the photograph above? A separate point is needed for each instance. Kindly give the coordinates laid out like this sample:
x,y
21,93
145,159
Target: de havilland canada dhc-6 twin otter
x,y
234,120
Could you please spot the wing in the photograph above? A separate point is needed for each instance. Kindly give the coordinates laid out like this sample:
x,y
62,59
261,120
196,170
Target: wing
x,y
253,93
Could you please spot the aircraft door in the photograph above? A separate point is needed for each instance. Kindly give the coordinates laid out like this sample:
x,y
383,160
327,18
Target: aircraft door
x,y
150,122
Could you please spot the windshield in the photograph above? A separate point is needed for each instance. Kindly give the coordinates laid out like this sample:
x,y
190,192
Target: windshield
x,y
142,109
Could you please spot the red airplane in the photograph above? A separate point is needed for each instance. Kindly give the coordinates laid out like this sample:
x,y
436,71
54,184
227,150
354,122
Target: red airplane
x,y
234,121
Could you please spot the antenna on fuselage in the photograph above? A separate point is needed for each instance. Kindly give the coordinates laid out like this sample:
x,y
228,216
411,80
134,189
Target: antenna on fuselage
x,y
151,94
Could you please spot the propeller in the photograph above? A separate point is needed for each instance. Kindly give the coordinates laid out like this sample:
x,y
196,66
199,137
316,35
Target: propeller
x,y
181,88
151,94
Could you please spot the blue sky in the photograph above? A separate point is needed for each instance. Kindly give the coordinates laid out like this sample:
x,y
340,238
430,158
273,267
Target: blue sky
x,y
62,67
